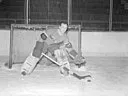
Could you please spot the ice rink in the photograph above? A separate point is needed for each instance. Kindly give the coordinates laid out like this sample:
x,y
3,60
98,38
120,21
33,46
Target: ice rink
x,y
109,78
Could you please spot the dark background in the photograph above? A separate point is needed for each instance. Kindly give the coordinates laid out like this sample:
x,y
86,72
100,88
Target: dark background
x,y
91,14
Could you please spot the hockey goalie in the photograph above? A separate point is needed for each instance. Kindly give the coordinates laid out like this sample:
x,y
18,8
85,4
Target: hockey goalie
x,y
56,42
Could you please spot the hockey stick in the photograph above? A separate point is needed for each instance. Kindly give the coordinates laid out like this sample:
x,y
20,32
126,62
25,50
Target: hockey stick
x,y
70,72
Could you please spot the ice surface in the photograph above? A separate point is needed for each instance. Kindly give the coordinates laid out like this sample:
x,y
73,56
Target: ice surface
x,y
110,77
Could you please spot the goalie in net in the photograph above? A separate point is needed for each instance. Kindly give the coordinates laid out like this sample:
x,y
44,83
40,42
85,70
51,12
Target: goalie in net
x,y
54,41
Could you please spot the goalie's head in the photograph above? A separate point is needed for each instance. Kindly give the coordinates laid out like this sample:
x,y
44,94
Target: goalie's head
x,y
63,27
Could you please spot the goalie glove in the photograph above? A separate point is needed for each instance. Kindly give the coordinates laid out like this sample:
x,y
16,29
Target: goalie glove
x,y
79,61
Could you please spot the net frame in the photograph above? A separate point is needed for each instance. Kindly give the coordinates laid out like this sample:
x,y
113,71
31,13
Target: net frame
x,y
37,27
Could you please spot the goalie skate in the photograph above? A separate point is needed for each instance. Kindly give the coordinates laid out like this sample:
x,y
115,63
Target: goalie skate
x,y
80,69
29,65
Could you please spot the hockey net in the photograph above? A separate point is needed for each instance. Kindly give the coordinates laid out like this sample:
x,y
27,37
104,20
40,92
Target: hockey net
x,y
23,38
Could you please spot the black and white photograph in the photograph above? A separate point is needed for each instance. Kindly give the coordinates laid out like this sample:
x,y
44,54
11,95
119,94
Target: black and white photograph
x,y
63,48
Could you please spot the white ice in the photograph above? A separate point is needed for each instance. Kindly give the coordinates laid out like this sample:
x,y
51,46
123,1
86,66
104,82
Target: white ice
x,y
110,78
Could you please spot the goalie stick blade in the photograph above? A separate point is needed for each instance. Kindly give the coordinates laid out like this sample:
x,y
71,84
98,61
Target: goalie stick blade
x,y
70,72
81,77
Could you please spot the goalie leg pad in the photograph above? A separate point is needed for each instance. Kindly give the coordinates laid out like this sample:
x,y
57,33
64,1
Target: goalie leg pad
x,y
29,64
62,59
39,48
61,56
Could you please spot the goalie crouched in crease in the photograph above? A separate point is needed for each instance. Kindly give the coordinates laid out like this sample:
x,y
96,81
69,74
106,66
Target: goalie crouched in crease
x,y
56,42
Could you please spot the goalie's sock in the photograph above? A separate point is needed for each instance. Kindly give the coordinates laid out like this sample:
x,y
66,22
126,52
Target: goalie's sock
x,y
80,77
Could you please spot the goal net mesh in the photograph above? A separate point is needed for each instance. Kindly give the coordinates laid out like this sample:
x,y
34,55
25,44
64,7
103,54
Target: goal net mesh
x,y
23,39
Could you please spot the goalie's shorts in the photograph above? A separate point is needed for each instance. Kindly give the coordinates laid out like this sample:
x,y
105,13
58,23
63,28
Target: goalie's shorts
x,y
29,65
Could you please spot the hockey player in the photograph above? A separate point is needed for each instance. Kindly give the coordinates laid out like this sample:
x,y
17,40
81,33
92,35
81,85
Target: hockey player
x,y
56,42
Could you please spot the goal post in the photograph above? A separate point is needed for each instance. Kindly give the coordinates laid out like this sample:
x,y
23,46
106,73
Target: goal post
x,y
24,36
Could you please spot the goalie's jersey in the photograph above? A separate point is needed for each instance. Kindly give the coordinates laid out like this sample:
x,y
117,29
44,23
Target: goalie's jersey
x,y
53,36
